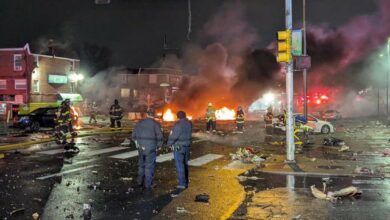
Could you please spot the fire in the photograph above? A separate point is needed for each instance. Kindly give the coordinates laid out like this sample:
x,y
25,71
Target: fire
x,y
168,115
225,114
75,120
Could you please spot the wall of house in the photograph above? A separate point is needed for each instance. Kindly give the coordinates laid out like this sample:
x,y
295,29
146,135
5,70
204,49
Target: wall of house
x,y
47,92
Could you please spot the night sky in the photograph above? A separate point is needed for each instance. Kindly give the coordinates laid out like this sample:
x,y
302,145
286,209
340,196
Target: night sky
x,y
131,32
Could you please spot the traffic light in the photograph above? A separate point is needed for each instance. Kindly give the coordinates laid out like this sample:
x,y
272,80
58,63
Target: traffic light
x,y
284,46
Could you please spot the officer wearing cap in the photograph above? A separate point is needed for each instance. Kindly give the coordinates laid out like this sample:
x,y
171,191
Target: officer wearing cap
x,y
148,137
180,140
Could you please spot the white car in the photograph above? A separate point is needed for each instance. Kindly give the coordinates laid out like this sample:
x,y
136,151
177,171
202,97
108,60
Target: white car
x,y
318,125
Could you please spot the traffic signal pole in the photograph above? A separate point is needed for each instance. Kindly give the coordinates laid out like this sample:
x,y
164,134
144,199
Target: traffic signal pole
x,y
304,53
290,92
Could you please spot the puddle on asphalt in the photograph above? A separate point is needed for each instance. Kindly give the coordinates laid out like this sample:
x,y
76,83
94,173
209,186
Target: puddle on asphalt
x,y
266,191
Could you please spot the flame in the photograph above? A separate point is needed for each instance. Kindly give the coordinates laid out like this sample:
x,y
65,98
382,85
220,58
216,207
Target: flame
x,y
225,114
75,118
189,117
168,115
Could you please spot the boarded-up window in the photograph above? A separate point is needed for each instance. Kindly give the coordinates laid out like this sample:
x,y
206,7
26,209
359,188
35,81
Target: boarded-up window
x,y
20,84
125,93
18,62
3,84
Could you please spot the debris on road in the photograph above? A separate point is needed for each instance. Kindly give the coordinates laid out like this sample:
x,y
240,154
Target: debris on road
x,y
332,141
297,217
87,214
363,170
126,178
247,155
95,172
35,216
244,178
126,142
344,148
386,152
181,210
332,196
16,211
202,198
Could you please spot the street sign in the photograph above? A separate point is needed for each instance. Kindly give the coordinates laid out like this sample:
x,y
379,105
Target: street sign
x,y
296,42
302,62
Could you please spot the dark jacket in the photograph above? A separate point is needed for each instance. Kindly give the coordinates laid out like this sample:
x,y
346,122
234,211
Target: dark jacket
x,y
116,112
148,134
181,133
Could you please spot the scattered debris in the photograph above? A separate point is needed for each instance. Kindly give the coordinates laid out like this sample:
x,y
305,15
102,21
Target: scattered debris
x,y
68,161
39,200
363,170
181,210
247,155
126,178
244,178
297,217
386,152
332,141
87,214
35,216
202,198
333,196
174,195
344,148
16,211
71,216
95,172
126,142
313,159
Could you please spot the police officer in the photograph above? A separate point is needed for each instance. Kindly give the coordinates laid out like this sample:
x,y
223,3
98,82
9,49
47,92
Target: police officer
x,y
116,114
148,137
240,119
180,141
211,119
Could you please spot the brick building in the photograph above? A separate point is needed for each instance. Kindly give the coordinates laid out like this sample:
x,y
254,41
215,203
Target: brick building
x,y
26,77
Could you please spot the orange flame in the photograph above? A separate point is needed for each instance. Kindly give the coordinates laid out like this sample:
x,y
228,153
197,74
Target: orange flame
x,y
225,114
168,115
75,118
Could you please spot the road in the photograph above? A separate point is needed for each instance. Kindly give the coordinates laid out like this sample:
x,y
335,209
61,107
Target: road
x,y
44,180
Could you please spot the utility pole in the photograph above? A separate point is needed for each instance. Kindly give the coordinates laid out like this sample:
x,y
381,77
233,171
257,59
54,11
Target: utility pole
x,y
387,82
304,53
290,92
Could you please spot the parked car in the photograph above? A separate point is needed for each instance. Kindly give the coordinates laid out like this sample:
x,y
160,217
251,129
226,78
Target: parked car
x,y
41,117
331,115
318,126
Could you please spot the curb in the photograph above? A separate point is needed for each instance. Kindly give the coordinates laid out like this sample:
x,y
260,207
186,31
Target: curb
x,y
92,133
317,174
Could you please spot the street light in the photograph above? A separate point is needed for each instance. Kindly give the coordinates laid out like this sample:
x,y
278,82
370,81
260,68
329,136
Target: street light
x,y
74,79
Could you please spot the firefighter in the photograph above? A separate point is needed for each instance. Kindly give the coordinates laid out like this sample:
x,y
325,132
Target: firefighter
x,y
211,119
268,119
240,119
116,114
148,137
64,125
180,141
92,112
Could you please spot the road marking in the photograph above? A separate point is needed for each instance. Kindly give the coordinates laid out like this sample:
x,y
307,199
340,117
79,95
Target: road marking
x,y
52,152
126,155
164,157
103,151
204,159
65,172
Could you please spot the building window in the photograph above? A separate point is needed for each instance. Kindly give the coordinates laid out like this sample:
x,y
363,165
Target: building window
x,y
35,87
3,84
135,93
152,79
20,84
125,93
18,62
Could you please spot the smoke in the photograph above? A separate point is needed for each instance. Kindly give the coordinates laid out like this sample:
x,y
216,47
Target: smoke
x,y
102,88
229,73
